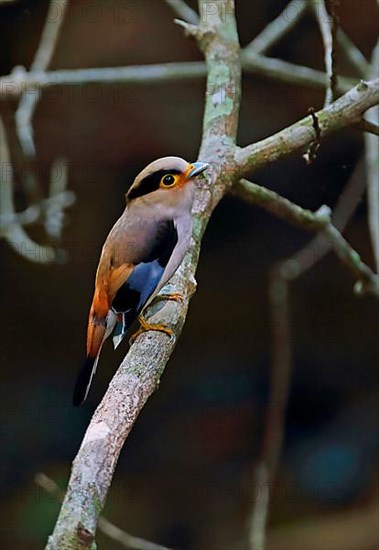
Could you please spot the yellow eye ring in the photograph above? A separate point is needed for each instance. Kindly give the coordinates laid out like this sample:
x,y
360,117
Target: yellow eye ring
x,y
168,181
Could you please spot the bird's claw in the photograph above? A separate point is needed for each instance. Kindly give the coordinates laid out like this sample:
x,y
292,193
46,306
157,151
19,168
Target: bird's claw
x,y
173,296
145,326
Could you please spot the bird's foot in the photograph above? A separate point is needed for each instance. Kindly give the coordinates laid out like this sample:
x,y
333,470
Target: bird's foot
x,y
145,326
173,296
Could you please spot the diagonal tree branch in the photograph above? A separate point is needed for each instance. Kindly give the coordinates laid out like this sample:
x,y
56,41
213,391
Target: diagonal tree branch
x,y
289,72
182,10
278,28
105,526
346,111
355,56
319,246
319,222
286,21
368,126
139,373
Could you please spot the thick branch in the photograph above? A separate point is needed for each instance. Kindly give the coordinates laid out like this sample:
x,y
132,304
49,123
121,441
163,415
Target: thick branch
x,y
105,526
218,38
139,373
346,111
134,382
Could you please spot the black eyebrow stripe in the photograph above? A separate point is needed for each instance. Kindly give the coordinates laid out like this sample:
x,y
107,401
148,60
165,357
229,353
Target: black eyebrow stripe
x,y
150,183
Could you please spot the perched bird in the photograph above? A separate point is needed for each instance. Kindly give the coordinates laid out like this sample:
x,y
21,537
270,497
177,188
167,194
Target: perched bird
x,y
141,253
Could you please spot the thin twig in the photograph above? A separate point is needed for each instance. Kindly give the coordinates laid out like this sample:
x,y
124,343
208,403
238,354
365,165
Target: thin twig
x,y
355,56
318,247
289,72
10,228
183,11
49,485
335,29
127,540
276,407
279,295
319,222
40,207
33,213
278,206
54,206
105,526
290,16
369,126
13,85
372,167
278,28
40,63
29,100
24,169
325,24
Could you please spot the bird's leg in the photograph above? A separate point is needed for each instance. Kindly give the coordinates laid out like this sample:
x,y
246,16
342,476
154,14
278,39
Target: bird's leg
x,y
145,326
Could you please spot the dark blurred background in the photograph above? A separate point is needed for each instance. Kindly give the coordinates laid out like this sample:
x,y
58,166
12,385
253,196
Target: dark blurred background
x,y
185,477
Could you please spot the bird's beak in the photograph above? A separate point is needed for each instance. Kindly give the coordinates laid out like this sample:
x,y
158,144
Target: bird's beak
x,y
196,168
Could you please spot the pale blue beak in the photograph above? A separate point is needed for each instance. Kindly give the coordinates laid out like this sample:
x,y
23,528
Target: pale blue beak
x,y
197,168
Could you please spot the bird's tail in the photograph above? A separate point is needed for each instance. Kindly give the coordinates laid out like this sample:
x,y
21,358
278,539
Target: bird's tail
x,y
96,334
98,331
84,379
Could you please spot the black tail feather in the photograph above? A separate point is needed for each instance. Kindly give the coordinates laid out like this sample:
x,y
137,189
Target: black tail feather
x,y
84,380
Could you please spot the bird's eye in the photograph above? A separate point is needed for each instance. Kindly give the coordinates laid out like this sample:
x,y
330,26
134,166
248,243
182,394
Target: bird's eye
x,y
168,181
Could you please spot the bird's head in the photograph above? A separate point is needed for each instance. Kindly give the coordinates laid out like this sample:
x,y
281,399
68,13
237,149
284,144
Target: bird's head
x,y
165,174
